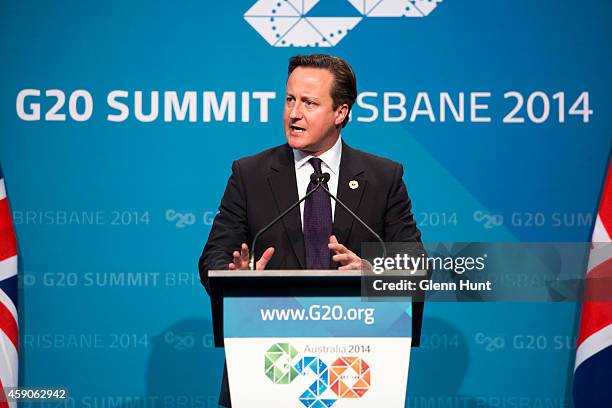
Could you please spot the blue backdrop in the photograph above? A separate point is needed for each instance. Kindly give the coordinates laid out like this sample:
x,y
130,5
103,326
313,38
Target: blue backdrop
x,y
111,212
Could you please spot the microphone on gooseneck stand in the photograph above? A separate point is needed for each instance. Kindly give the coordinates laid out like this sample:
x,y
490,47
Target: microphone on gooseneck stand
x,y
355,216
318,179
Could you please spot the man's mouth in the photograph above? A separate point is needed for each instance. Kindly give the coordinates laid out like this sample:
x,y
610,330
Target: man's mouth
x,y
297,129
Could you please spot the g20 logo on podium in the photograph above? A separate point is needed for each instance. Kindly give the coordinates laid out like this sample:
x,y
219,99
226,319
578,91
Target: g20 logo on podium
x,y
346,377
285,23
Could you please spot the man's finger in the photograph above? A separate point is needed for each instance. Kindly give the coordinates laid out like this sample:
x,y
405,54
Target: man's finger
x,y
244,252
339,248
343,258
349,267
236,261
334,245
265,258
232,266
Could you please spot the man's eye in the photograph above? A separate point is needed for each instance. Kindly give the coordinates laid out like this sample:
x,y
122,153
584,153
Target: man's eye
x,y
310,103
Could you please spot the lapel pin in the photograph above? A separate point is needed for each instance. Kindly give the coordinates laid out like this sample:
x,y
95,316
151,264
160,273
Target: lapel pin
x,y
353,184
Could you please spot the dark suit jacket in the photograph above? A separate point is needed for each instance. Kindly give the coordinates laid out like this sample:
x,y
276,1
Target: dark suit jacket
x,y
264,185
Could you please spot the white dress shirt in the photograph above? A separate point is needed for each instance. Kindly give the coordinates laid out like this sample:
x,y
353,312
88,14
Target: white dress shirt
x,y
330,164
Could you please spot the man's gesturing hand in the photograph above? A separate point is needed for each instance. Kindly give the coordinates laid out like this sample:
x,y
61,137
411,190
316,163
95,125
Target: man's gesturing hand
x,y
347,258
241,259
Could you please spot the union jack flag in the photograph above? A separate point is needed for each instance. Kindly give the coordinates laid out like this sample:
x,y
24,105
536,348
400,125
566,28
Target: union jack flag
x,y
9,332
593,369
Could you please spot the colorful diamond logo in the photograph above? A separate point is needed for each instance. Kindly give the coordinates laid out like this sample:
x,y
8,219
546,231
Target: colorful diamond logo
x,y
349,377
278,363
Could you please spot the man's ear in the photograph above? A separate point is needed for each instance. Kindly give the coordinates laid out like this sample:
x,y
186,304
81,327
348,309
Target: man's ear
x,y
342,112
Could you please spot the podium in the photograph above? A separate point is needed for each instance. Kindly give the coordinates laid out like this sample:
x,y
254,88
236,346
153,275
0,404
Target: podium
x,y
307,339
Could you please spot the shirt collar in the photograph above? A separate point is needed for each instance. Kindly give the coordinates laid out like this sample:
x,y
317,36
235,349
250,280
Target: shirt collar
x,y
331,157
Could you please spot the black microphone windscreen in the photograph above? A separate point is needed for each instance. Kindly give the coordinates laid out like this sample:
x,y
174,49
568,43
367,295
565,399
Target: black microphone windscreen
x,y
315,178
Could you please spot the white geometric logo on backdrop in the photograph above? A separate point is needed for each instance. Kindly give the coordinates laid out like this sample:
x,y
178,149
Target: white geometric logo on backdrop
x,y
285,23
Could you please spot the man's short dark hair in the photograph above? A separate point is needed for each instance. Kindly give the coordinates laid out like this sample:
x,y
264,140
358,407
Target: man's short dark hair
x,y
344,88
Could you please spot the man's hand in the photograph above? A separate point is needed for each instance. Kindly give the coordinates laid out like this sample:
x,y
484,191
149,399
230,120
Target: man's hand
x,y
347,258
241,259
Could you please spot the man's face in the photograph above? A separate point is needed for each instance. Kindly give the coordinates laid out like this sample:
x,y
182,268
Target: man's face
x,y
310,121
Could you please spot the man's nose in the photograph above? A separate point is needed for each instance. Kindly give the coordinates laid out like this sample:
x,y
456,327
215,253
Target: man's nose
x,y
296,111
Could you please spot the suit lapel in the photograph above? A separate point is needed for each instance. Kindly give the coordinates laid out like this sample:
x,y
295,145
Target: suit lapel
x,y
351,175
283,185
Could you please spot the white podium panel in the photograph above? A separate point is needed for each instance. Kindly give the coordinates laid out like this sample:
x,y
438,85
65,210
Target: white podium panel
x,y
317,352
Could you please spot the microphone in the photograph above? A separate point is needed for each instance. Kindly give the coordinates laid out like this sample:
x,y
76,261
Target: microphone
x,y
326,177
318,179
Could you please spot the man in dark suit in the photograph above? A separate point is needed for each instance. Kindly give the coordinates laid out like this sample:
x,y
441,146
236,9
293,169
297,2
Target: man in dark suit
x,y
321,90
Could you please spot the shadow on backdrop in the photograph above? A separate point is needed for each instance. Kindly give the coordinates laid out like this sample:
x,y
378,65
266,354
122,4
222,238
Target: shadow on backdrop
x,y
184,368
437,369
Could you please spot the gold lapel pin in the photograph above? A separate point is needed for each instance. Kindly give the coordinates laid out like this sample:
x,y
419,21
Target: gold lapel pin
x,y
353,184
